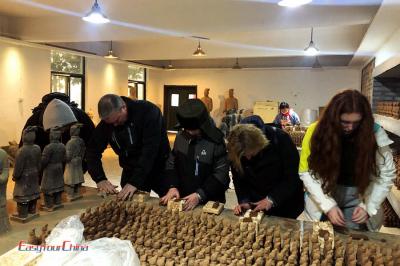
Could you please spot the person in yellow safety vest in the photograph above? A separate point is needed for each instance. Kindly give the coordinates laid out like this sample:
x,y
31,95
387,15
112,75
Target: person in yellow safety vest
x,y
346,165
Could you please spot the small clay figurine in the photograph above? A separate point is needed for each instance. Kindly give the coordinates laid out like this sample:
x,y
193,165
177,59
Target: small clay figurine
x,y
73,175
26,176
53,157
231,103
4,166
207,100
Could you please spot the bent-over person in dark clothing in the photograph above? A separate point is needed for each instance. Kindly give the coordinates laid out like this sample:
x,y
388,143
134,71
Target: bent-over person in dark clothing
x,y
136,132
265,170
197,168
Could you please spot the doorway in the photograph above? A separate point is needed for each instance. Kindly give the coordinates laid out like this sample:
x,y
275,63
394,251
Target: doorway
x,y
174,96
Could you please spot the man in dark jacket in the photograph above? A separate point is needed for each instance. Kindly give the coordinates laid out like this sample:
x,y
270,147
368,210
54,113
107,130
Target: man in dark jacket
x,y
269,179
197,168
136,132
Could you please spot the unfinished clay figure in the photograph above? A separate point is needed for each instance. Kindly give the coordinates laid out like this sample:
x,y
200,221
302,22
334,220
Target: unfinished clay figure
x,y
4,222
53,157
231,103
73,175
26,174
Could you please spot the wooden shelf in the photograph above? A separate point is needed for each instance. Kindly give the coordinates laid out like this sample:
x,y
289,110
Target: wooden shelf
x,y
394,199
388,123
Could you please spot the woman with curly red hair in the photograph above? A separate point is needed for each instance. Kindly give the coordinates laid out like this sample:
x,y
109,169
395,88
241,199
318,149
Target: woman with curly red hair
x,y
346,164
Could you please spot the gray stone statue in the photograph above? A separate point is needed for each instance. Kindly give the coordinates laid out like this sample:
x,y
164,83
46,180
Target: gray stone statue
x,y
52,185
73,175
4,166
26,177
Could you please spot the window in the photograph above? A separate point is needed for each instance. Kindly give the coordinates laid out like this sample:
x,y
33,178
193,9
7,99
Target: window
x,y
136,82
68,76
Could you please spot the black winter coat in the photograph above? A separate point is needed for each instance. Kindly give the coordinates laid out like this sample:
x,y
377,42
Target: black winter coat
x,y
198,165
273,172
141,144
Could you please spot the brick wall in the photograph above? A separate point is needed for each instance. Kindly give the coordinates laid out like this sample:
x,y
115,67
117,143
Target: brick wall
x,y
367,80
385,89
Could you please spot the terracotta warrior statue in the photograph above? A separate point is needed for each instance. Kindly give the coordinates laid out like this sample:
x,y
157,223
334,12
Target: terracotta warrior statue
x,y
26,174
53,157
4,222
207,100
231,103
73,175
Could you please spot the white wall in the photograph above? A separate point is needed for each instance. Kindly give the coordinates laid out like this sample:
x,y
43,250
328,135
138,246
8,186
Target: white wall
x,y
102,77
301,88
25,78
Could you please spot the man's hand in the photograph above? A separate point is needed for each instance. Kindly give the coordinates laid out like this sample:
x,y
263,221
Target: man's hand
x,y
127,192
171,194
191,201
359,216
262,205
336,216
240,208
107,187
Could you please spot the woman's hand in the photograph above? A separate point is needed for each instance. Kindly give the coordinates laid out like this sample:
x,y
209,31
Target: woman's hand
x,y
241,208
336,216
359,216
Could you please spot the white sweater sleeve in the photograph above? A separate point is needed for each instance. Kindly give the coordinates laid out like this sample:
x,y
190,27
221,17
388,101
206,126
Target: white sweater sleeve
x,y
380,185
314,187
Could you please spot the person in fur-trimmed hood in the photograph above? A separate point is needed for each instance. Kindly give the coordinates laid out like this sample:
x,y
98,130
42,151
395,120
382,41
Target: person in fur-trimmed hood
x,y
197,168
346,164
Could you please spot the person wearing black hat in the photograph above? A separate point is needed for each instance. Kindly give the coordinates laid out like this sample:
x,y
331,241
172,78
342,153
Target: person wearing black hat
x,y
286,116
197,168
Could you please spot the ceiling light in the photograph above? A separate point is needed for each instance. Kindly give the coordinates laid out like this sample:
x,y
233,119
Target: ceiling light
x,y
110,54
96,15
293,3
236,65
169,66
199,51
316,64
311,49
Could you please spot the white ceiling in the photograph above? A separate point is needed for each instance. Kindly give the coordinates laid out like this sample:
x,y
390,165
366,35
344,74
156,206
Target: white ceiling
x,y
162,29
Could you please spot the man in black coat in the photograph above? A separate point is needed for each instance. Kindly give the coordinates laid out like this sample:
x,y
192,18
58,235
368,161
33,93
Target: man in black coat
x,y
197,168
136,132
269,180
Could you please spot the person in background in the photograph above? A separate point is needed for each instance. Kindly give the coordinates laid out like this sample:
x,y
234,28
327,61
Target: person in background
x,y
346,164
286,116
197,168
60,113
57,111
137,134
265,169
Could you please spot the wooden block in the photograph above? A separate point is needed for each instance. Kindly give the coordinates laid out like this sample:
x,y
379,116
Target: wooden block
x,y
141,196
18,219
175,205
255,216
213,207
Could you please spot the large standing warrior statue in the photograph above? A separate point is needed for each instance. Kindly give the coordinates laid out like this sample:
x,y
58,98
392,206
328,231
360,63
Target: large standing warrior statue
x,y
73,175
53,157
4,166
26,175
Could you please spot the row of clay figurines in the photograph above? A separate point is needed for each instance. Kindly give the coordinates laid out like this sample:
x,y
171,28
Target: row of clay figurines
x,y
30,161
